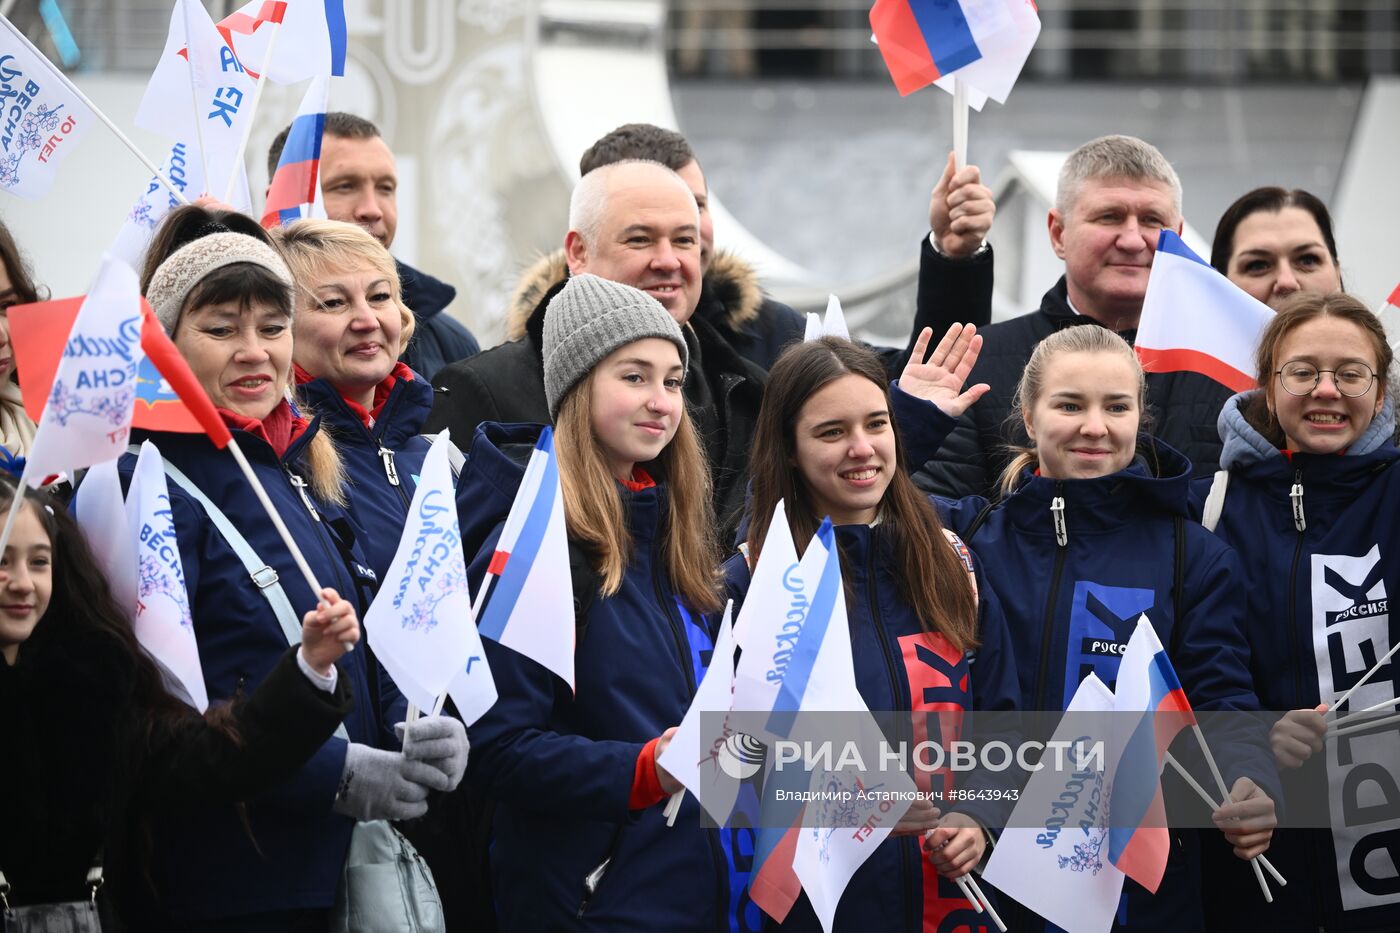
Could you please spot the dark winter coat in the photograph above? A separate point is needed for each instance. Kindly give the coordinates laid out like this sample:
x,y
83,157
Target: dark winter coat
x,y
896,660
209,867
560,765
1317,544
381,462
1071,608
1183,406
438,337
88,766
505,384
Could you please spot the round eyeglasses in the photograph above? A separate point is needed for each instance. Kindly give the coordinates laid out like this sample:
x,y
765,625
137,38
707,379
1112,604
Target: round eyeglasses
x,y
1351,379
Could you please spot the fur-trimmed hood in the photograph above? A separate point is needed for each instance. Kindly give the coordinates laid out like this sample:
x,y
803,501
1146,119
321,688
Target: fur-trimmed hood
x,y
731,298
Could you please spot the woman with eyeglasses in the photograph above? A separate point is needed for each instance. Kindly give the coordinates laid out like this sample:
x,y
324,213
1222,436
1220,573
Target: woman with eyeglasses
x,y
1307,497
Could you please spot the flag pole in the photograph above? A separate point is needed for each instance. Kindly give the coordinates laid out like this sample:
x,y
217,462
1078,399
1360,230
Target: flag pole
x,y
1210,802
977,889
959,123
1225,797
1332,710
257,96
281,526
194,93
97,112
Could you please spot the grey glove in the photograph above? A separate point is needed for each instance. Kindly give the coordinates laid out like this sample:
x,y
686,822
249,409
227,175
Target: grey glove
x,y
380,785
439,742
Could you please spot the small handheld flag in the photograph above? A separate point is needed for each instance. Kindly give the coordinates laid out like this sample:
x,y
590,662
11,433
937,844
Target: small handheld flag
x,y
45,116
530,608
296,183
983,42
1194,319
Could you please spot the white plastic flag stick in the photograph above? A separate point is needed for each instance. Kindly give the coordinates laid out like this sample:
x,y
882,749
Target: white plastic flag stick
x,y
977,889
253,110
959,122
194,90
1225,796
1383,704
673,807
1210,802
97,113
967,893
1347,728
1332,710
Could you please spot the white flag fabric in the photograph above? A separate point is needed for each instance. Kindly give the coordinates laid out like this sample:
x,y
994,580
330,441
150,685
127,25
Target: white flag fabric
x,y
420,624
201,91
100,510
1061,869
87,418
693,756
310,38
834,324
164,626
839,834
1194,319
184,168
1006,40
762,627
814,327
531,606
44,118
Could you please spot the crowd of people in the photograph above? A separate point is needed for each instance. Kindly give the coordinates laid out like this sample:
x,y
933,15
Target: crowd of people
x,y
1007,500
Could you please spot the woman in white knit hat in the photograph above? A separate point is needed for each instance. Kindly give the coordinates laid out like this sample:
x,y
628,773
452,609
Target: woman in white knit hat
x,y
579,833
225,298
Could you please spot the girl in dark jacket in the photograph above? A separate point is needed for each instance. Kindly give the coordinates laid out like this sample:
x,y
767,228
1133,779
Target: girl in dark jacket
x,y
580,839
1092,531
95,745
225,297
1308,503
924,644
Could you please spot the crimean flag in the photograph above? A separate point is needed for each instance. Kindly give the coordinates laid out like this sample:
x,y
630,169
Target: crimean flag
x,y
296,182
1196,320
168,396
311,38
922,41
531,606
1138,841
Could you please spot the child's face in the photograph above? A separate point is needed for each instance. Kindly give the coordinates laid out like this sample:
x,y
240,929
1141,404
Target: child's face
x,y
636,402
26,581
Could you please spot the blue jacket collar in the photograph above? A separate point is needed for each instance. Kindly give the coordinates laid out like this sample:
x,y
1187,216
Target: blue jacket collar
x,y
402,418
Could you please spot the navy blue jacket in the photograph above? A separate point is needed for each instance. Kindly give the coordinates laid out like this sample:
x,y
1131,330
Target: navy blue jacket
x,y
381,462
1071,609
901,668
208,866
1319,619
438,338
560,765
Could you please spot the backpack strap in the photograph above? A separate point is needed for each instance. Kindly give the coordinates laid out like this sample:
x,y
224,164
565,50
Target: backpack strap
x,y
264,577
978,521
1215,501
965,556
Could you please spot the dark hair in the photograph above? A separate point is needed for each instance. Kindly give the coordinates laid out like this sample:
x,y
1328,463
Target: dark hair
x,y
932,578
1273,200
186,224
21,282
338,123
1297,310
638,141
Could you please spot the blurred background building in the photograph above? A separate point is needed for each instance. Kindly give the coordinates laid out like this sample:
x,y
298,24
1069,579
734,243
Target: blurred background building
x,y
822,171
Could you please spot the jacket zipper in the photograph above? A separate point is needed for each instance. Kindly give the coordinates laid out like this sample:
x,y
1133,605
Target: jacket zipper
x,y
677,631
331,560
595,877
887,653
1295,495
300,485
1057,512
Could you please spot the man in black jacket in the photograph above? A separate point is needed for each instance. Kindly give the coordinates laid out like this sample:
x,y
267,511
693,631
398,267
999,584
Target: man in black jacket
x,y
634,222
1115,195
359,185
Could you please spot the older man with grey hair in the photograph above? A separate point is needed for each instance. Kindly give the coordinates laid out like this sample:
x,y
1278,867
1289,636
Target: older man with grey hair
x,y
1116,194
634,222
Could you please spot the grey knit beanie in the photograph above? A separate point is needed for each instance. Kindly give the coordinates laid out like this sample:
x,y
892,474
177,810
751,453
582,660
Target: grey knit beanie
x,y
590,318
184,268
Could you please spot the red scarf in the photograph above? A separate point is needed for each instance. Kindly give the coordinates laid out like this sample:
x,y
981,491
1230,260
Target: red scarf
x,y
381,392
640,480
279,428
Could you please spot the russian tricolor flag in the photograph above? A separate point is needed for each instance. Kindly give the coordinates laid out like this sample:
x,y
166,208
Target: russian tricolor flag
x,y
1196,320
311,38
295,189
1138,841
925,40
531,608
